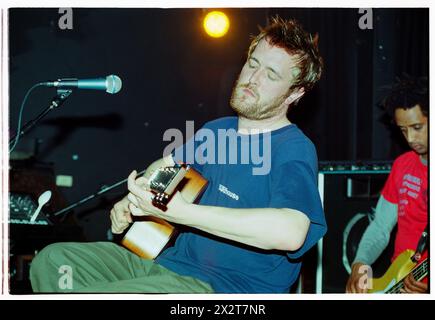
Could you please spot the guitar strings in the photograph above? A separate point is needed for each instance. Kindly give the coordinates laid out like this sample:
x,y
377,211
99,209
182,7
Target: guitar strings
x,y
418,273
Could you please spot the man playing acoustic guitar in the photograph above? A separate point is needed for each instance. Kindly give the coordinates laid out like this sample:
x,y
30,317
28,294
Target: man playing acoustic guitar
x,y
248,232
404,197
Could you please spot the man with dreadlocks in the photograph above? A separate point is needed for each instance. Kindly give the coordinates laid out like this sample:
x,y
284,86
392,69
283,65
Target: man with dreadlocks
x,y
250,229
403,200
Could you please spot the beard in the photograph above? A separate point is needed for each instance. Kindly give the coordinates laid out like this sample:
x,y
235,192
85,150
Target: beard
x,y
251,107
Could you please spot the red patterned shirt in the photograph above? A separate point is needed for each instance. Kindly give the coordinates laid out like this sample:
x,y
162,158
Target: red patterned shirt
x,y
406,186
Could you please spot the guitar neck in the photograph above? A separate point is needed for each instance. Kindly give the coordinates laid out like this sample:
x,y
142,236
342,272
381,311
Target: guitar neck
x,y
419,272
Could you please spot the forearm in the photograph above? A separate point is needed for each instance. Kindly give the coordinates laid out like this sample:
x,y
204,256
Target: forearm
x,y
265,228
375,239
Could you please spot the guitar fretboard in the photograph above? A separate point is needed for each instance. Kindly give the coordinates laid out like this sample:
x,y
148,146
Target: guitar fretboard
x,y
418,273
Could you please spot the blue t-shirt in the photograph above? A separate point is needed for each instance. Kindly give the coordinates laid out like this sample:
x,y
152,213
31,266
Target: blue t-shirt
x,y
287,179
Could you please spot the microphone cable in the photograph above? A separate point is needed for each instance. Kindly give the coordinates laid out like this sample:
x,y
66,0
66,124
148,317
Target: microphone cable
x,y
20,116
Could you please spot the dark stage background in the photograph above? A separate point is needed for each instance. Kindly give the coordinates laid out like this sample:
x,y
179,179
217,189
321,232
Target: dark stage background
x,y
173,72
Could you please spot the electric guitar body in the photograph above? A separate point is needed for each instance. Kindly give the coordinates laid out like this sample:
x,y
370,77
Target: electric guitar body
x,y
147,238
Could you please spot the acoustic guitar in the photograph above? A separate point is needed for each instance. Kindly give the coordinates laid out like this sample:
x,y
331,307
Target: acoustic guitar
x,y
147,238
402,266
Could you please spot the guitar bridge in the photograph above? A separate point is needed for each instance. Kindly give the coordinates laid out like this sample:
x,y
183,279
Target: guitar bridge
x,y
160,200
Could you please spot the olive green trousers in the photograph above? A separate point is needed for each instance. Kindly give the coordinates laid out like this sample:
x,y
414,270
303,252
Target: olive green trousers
x,y
104,267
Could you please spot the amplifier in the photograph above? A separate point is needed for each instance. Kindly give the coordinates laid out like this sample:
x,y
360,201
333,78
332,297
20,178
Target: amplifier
x,y
21,208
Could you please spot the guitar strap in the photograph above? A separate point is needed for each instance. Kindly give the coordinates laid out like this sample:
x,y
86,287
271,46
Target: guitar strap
x,y
420,246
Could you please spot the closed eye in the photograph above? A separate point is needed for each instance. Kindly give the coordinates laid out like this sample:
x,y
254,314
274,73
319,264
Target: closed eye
x,y
253,63
272,75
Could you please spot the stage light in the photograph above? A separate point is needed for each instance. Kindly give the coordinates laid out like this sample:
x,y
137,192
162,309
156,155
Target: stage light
x,y
216,24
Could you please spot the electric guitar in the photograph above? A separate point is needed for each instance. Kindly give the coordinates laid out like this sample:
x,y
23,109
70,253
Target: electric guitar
x,y
402,266
147,238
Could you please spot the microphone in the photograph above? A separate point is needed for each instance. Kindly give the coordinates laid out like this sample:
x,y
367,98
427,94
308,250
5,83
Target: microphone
x,y
111,84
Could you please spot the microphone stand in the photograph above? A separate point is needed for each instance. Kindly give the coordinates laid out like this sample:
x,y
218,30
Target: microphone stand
x,y
58,100
103,189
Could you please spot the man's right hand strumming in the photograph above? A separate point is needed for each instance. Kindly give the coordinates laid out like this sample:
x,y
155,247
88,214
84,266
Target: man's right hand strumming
x,y
120,216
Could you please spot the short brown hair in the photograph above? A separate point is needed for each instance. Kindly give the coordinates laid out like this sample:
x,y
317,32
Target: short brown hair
x,y
289,35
